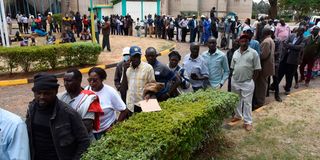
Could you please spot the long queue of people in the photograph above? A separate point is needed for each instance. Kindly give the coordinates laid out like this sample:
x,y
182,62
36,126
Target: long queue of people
x,y
62,125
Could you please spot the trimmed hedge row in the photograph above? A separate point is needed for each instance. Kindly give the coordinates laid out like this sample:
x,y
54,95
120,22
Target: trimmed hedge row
x,y
174,133
35,58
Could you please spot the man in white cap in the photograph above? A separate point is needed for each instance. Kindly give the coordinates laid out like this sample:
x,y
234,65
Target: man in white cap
x,y
120,77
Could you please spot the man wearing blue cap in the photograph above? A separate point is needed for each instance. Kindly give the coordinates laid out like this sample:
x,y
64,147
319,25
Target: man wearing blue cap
x,y
254,44
138,74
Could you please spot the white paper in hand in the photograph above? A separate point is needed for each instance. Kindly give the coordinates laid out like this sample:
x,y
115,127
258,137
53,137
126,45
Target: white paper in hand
x,y
151,106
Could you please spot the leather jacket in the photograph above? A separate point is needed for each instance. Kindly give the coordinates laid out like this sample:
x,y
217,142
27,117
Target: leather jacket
x,y
69,134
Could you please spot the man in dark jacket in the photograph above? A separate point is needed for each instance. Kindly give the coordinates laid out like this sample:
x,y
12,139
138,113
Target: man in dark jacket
x,y
106,34
310,54
55,130
162,75
192,24
291,57
120,76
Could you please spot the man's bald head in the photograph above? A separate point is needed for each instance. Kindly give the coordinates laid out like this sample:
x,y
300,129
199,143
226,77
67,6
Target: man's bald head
x,y
211,39
212,44
151,51
194,44
194,49
151,55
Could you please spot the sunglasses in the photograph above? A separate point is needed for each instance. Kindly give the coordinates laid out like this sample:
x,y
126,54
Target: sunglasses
x,y
92,79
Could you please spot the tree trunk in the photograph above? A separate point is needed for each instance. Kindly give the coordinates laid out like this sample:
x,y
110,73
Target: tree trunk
x,y
64,7
273,11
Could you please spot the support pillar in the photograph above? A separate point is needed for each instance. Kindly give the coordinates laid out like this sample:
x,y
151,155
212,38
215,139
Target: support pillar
x,y
142,9
28,9
4,32
124,7
9,5
158,7
93,32
42,7
50,5
35,8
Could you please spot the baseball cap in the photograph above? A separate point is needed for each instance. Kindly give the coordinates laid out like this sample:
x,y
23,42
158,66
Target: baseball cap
x,y
135,50
247,28
126,51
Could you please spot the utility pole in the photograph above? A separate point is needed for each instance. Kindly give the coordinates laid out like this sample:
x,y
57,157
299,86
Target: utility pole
x,y
93,33
4,26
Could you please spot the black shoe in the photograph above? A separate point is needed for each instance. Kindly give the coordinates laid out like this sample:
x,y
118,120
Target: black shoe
x,y
278,98
287,92
271,88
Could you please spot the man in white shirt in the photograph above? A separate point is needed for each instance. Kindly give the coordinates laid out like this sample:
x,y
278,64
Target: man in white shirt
x,y
9,22
14,141
184,26
245,64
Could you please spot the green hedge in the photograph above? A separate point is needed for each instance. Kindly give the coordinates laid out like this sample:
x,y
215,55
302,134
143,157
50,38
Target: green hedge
x,y
36,58
58,18
174,133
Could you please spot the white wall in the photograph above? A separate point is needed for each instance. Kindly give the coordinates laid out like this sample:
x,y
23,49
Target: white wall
x,y
107,11
134,9
83,7
117,9
150,8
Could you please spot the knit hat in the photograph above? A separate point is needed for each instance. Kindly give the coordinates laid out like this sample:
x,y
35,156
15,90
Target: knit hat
x,y
45,81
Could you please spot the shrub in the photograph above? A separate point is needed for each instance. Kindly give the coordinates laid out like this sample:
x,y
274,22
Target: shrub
x,y
173,133
50,56
57,18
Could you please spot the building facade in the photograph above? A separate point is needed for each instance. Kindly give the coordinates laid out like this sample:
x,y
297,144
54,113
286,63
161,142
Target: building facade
x,y
139,8
243,8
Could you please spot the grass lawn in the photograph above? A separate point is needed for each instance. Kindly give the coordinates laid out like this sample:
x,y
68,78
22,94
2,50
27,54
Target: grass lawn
x,y
287,130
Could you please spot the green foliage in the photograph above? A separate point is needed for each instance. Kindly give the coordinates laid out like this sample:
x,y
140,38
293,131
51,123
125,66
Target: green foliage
x,y
302,7
49,57
188,14
115,1
173,133
58,18
260,8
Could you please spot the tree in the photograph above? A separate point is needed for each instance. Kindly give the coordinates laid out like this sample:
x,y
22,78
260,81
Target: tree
x,y
260,8
273,10
301,7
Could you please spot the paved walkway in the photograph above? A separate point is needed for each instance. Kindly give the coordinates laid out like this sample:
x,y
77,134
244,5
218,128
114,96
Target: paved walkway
x,y
16,98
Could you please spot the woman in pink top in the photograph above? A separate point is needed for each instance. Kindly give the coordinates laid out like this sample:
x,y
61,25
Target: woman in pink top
x,y
282,31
